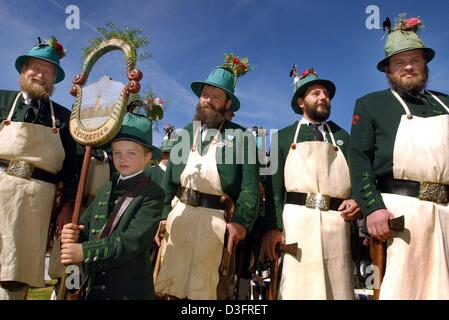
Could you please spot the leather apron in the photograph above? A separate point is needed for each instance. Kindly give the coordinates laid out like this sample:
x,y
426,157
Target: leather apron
x,y
194,249
26,204
322,268
418,259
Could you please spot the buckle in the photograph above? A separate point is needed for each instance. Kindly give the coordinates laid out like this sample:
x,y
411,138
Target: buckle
x,y
318,201
435,192
20,169
190,197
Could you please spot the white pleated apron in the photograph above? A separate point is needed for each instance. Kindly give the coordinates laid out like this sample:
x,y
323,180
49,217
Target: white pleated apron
x,y
196,235
418,258
26,203
323,268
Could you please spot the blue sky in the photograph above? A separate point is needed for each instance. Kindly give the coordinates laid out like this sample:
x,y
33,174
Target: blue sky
x,y
189,37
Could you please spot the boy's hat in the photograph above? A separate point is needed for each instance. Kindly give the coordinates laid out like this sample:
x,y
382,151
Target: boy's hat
x,y
136,128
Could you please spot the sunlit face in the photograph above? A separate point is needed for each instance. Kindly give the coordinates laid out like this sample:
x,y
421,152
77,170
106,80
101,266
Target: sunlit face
x,y
407,70
214,98
316,103
37,78
212,106
129,157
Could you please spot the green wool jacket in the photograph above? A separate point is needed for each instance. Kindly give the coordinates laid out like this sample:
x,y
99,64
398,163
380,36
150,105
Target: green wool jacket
x,y
374,127
119,265
69,169
156,173
238,169
285,138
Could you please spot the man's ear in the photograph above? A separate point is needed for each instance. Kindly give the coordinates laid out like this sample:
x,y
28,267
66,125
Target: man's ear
x,y
148,156
228,104
300,103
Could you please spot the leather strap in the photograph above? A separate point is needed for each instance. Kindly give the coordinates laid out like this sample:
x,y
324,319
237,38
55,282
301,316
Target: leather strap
x,y
120,208
195,198
38,173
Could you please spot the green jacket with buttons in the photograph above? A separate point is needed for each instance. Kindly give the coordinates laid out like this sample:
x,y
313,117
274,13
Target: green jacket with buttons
x,y
374,127
119,265
236,164
285,138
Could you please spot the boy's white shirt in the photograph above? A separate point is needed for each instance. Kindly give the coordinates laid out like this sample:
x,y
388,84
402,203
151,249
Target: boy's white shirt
x,y
128,177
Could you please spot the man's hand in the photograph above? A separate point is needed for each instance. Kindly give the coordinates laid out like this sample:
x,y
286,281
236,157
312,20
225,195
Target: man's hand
x,y
64,217
269,242
160,232
236,232
72,253
349,210
377,223
70,233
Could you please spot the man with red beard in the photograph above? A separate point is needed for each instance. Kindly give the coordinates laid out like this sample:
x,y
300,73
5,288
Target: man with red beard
x,y
311,191
210,168
36,152
399,166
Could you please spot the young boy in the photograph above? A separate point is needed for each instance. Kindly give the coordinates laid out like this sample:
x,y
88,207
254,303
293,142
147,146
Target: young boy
x,y
116,230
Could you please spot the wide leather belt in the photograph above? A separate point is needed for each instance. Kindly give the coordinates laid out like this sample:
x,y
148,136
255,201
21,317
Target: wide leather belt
x,y
25,170
427,191
314,200
195,198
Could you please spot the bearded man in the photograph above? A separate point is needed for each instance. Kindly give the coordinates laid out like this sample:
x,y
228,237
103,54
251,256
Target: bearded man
x,y
399,167
213,159
311,191
36,152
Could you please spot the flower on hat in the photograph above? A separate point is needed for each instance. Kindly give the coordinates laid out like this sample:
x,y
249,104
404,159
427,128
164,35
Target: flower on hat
x,y
57,47
410,24
307,72
237,65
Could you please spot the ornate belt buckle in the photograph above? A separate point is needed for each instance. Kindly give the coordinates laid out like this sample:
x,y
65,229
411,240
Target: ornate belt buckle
x,y
190,197
20,169
435,192
318,201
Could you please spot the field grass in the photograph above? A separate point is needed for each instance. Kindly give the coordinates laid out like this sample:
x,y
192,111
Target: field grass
x,y
41,293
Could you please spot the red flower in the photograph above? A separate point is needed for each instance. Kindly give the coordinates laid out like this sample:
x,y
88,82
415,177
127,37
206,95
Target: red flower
x,y
306,72
412,22
236,60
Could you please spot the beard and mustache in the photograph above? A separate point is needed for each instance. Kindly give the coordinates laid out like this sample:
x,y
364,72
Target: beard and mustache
x,y
209,115
34,89
318,112
415,84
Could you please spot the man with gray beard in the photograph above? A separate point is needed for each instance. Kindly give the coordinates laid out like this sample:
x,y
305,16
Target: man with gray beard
x,y
399,166
36,153
205,176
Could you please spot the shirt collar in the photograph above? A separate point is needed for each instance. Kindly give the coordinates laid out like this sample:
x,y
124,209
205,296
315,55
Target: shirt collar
x,y
123,178
307,122
163,167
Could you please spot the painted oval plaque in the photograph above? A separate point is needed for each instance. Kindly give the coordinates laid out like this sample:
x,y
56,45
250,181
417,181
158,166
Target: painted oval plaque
x,y
99,107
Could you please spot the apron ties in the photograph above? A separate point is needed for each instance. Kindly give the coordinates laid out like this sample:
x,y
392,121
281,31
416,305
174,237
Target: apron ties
x,y
420,153
196,234
26,203
322,269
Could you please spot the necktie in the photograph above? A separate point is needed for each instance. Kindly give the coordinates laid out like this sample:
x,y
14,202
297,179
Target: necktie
x,y
31,113
317,132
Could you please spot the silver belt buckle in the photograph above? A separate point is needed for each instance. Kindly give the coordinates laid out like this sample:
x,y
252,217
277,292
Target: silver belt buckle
x,y
318,201
190,197
20,169
435,192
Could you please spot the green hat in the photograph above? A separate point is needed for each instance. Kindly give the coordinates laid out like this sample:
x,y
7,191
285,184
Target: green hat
x,y
225,77
306,79
404,38
51,52
136,128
